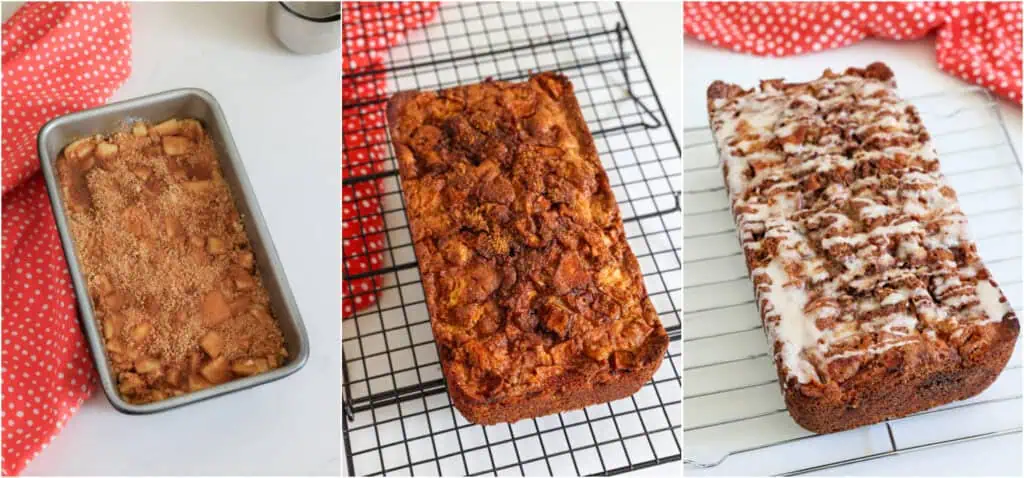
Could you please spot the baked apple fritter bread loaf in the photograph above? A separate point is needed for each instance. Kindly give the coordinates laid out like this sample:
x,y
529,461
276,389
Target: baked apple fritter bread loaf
x,y
873,297
168,262
536,301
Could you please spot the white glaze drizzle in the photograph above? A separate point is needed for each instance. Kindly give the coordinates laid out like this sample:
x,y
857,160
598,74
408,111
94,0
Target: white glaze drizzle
x,y
907,208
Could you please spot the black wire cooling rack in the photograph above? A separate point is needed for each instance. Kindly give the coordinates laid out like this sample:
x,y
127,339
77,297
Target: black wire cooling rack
x,y
736,420
398,418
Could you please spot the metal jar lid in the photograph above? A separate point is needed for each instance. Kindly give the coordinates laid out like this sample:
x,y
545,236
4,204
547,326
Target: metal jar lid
x,y
306,27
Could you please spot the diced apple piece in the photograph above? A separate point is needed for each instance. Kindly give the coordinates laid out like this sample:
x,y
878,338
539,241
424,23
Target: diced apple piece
x,y
175,167
217,371
115,346
245,260
244,281
129,382
139,129
141,331
175,145
240,305
77,192
154,185
195,360
215,245
215,308
260,312
191,128
249,366
197,382
112,325
142,172
84,164
173,376
212,343
275,360
168,127
114,301
197,186
101,284
199,257
172,227
147,365
80,149
106,150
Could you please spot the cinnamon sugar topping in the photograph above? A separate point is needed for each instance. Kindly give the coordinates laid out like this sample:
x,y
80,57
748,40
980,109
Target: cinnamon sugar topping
x,y
527,272
167,261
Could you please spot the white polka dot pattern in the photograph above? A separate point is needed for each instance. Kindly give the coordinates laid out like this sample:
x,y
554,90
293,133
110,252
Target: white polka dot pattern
x,y
979,42
368,30
57,58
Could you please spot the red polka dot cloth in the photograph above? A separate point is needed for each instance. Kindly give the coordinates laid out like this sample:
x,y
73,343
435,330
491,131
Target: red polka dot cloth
x,y
368,30
57,58
979,42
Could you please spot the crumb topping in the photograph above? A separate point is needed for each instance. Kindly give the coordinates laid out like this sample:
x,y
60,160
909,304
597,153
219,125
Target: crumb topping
x,y
525,264
168,264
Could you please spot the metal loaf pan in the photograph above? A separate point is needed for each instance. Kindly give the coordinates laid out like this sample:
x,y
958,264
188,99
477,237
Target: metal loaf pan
x,y
182,103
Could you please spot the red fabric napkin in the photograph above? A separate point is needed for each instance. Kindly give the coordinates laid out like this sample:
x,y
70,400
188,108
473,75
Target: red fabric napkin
x,y
368,30
57,58
979,42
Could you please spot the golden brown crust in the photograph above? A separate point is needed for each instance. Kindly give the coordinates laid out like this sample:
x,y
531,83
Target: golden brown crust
x,y
536,301
905,381
845,219
167,261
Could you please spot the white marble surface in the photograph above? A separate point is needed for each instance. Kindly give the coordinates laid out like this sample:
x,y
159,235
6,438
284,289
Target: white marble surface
x,y
916,72
283,111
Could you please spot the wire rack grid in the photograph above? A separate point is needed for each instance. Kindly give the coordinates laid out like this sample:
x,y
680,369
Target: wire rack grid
x,y
398,417
736,421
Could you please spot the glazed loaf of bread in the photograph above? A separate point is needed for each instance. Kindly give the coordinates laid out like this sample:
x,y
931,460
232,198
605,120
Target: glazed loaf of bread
x,y
872,295
536,301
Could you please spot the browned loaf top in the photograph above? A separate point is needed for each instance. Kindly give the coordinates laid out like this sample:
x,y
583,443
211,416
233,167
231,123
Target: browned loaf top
x,y
530,283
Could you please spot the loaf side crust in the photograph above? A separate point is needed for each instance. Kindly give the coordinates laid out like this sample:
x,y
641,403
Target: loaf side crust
x,y
536,301
875,302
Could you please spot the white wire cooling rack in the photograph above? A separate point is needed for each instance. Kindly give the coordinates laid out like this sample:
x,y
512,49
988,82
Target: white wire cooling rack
x,y
735,420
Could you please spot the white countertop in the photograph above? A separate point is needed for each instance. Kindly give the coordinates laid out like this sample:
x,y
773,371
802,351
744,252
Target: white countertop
x,y
917,74
654,26
283,111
